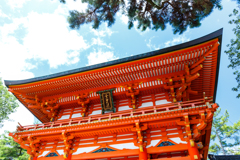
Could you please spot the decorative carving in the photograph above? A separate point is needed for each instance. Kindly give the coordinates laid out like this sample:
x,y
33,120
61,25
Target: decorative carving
x,y
106,98
68,140
139,130
83,100
165,143
199,145
52,106
179,86
187,127
49,107
132,91
52,154
34,145
104,150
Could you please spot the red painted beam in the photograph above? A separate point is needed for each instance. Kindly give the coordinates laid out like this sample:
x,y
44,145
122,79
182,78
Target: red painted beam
x,y
121,153
174,158
174,148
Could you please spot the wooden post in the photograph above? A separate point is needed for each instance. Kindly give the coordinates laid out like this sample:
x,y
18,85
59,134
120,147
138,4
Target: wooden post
x,y
143,153
193,150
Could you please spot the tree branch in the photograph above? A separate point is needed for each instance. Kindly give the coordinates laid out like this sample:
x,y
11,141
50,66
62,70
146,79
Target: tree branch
x,y
156,6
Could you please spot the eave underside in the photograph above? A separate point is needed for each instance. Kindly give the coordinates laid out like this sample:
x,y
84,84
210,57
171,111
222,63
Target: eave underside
x,y
150,72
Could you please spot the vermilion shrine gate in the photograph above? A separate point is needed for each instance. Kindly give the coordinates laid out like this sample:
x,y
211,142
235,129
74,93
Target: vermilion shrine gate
x,y
157,105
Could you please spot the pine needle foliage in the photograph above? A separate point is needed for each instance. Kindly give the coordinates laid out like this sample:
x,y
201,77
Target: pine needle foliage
x,y
149,14
226,135
233,51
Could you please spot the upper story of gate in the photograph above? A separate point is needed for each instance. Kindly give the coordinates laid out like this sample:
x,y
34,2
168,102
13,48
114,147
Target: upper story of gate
x,y
184,72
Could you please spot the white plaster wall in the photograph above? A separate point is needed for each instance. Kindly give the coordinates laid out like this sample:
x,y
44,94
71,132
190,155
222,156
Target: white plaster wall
x,y
43,154
159,102
86,149
178,140
123,108
60,152
76,115
146,104
124,145
153,143
64,117
96,112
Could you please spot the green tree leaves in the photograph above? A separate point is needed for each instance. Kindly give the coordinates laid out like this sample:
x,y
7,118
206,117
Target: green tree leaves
x,y
233,51
10,150
8,103
226,135
152,14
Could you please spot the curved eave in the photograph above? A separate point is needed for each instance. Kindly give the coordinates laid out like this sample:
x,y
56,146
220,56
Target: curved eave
x,y
216,34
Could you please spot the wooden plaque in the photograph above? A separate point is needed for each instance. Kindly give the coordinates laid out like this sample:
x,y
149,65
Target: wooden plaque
x,y
106,98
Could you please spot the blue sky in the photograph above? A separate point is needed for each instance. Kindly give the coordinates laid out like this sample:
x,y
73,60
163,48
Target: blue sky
x,y
35,40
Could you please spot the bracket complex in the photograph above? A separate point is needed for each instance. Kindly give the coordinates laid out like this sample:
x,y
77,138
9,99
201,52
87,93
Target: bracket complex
x,y
68,140
83,100
180,85
132,91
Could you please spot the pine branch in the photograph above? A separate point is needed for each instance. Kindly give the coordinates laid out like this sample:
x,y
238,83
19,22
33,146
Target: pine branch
x,y
158,7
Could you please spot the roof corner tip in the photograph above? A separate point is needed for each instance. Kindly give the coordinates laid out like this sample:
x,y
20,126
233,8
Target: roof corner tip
x,y
6,82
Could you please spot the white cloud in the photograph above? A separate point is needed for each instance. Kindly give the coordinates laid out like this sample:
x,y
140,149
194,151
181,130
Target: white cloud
x,y
70,5
54,41
100,34
76,5
152,46
48,38
124,19
13,54
3,14
140,30
100,56
103,33
98,41
179,39
122,13
16,3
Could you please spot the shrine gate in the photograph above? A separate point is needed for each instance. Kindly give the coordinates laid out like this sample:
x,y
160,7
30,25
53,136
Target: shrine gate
x,y
156,105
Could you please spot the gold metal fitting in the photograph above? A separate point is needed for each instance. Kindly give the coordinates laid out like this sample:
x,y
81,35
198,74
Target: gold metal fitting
x,y
195,157
191,143
65,155
141,148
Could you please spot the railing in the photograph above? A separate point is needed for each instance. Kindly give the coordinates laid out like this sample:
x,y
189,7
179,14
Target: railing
x,y
120,114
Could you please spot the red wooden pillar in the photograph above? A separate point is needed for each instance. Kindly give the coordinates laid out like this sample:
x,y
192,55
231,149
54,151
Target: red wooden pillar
x,y
143,153
193,150
34,158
